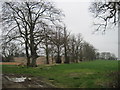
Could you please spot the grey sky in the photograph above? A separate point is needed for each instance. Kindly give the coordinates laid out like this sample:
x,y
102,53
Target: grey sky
x,y
79,20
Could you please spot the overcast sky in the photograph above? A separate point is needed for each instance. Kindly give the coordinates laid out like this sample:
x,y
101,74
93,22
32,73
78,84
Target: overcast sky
x,y
79,20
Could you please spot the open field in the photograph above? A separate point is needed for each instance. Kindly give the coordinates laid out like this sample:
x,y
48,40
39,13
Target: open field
x,y
9,63
18,60
92,74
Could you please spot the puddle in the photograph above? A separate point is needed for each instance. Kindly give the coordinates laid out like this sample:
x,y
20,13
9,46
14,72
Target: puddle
x,y
21,79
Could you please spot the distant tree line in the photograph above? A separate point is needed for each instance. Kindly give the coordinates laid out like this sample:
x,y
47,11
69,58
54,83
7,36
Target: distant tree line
x,y
11,50
106,56
60,46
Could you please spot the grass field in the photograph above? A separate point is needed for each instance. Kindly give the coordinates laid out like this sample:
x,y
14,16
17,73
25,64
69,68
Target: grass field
x,y
91,74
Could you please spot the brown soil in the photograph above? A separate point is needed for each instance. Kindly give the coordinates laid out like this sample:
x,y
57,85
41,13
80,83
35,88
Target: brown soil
x,y
35,82
9,63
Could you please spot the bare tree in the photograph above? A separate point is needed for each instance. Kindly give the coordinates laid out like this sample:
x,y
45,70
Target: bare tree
x,y
52,52
78,49
105,13
66,41
47,42
22,21
57,39
89,52
72,48
75,47
9,50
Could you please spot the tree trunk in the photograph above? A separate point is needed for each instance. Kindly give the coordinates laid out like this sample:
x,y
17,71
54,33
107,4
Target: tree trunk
x,y
33,56
65,46
32,47
47,54
58,56
76,57
52,58
33,64
66,57
27,53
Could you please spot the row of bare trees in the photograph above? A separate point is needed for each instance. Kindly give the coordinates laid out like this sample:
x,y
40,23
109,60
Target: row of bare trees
x,y
59,45
36,25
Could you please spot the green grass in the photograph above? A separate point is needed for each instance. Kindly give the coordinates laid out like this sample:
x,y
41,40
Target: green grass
x,y
92,74
0,68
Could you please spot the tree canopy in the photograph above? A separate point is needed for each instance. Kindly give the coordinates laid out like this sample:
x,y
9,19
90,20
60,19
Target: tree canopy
x,y
106,14
24,21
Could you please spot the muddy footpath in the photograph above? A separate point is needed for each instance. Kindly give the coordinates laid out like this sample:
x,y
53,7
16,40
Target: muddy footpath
x,y
23,81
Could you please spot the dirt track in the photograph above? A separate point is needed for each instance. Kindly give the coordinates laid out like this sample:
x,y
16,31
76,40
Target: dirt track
x,y
35,82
